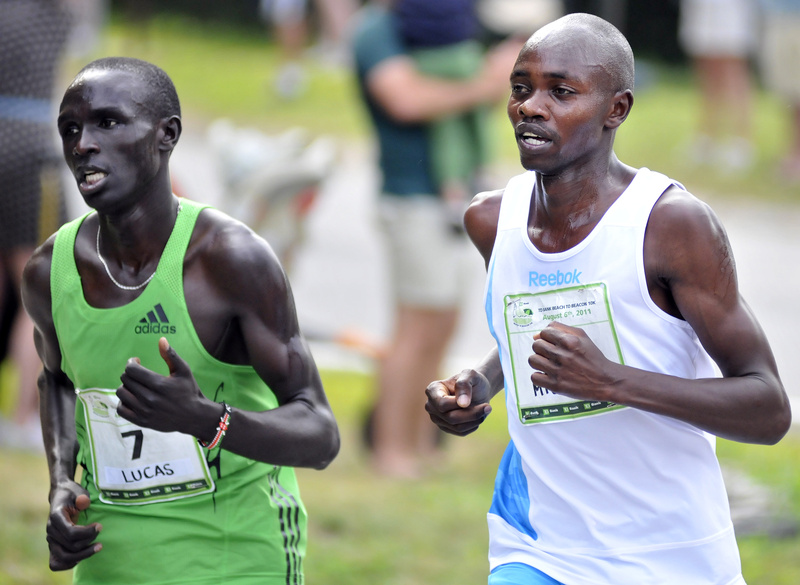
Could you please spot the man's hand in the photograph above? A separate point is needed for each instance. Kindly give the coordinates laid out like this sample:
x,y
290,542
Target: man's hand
x,y
567,362
459,404
163,403
69,542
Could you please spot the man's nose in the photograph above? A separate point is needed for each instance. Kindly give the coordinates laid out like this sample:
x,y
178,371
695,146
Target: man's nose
x,y
535,105
85,144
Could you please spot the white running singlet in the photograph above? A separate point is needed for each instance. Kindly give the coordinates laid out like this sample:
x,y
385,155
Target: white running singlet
x,y
593,493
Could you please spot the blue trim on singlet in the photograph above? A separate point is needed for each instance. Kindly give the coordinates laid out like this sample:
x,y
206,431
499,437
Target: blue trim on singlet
x,y
516,573
488,300
488,307
510,500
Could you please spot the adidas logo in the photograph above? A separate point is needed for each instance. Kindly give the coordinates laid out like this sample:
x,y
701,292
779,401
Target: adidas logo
x,y
156,322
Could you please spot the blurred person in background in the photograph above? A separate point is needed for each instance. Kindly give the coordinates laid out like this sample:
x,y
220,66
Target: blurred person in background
x,y
720,36
458,143
780,69
334,26
33,37
89,17
290,20
425,256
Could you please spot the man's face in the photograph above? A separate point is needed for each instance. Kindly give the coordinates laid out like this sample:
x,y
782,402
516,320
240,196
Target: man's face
x,y
109,137
559,102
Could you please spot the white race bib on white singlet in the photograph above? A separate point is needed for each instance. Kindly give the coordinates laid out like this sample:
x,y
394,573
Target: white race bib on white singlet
x,y
526,314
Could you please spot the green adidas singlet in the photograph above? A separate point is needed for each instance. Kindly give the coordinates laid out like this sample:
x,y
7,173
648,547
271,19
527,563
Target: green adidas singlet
x,y
172,512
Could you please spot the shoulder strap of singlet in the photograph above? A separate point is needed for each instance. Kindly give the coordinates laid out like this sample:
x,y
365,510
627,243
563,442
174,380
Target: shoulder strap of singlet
x,y
645,189
637,201
63,271
170,267
516,201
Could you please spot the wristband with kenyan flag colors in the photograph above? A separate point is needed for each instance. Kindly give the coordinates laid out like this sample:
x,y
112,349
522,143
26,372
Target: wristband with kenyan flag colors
x,y
224,423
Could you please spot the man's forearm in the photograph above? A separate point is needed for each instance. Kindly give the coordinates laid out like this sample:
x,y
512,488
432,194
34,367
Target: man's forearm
x,y
491,368
57,410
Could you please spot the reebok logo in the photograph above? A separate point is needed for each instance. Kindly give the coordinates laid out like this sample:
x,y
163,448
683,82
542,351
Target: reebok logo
x,y
554,278
155,322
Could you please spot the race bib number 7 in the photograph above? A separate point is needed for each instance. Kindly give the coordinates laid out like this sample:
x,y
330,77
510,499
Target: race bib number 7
x,y
586,307
135,465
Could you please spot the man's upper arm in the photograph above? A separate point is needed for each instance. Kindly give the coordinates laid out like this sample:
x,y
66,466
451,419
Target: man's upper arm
x,y
261,301
481,219
689,253
37,302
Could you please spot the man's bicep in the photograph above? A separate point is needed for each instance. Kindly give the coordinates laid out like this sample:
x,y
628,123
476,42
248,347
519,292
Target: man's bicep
x,y
284,364
704,286
272,335
729,331
36,300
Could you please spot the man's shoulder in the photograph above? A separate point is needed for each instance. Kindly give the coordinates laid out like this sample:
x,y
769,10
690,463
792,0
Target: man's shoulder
x,y
230,246
228,261
481,219
220,231
35,285
488,199
39,263
681,221
678,204
484,209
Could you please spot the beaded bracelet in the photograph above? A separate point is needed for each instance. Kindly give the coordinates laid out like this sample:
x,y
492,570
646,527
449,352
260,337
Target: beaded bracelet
x,y
224,423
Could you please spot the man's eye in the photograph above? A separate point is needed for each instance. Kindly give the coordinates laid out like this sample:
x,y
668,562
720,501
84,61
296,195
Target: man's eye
x,y
69,131
108,123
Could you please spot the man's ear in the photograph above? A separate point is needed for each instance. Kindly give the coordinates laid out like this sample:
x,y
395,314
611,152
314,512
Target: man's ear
x,y
620,108
171,129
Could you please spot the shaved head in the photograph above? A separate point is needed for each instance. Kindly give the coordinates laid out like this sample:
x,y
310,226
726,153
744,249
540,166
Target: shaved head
x,y
598,39
161,97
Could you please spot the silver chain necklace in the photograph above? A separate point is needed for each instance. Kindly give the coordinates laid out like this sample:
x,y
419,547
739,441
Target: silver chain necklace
x,y
114,280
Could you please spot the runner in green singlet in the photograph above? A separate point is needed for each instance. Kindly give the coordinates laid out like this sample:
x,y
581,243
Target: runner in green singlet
x,y
175,375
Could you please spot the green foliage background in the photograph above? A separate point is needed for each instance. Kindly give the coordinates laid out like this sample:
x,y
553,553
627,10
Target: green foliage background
x,y
366,529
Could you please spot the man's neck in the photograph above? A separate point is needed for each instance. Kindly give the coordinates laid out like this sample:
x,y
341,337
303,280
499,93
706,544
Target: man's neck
x,y
566,207
136,234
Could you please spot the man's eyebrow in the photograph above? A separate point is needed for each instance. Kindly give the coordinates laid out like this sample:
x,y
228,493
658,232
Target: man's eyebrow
x,y
112,110
549,74
99,112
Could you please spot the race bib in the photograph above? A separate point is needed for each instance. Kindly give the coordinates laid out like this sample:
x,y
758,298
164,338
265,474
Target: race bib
x,y
526,314
134,465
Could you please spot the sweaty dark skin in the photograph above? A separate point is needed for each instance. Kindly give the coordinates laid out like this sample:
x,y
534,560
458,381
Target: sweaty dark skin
x,y
565,111
238,299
